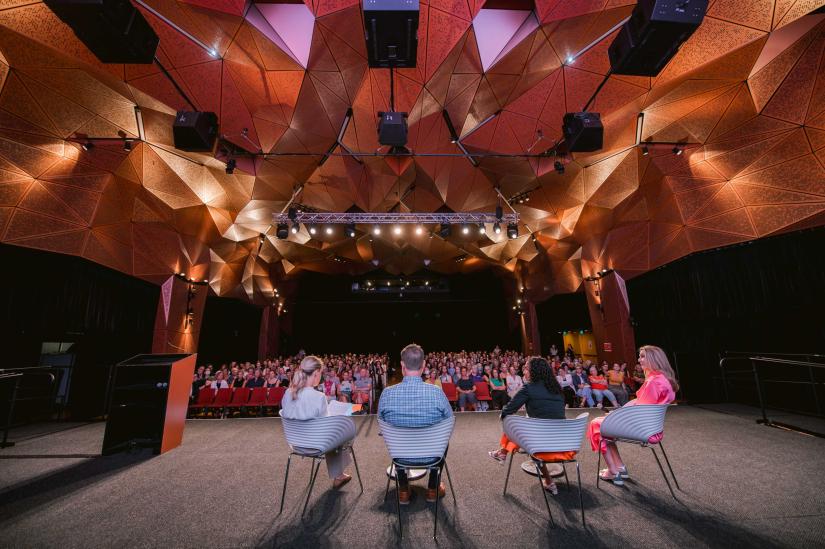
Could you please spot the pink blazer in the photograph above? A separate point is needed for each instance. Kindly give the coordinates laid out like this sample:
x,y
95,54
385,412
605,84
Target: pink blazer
x,y
655,390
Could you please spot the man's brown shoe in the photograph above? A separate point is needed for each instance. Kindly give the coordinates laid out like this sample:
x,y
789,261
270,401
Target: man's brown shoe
x,y
431,493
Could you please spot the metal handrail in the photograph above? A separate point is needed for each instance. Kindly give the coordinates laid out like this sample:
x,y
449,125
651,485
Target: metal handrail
x,y
755,360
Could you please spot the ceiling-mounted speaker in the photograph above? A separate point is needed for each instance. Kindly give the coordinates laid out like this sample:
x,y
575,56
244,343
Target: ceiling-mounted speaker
x,y
583,131
195,131
392,32
392,128
653,34
113,30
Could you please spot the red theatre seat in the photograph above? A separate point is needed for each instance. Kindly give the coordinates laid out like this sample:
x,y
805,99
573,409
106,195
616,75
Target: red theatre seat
x,y
276,395
482,391
222,400
258,397
204,400
450,391
239,398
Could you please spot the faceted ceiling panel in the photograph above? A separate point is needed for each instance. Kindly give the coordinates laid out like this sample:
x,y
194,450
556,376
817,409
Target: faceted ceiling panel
x,y
744,99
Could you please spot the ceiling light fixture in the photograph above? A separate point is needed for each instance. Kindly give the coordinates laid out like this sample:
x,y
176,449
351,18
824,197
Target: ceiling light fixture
x,y
512,230
230,166
677,150
312,229
329,230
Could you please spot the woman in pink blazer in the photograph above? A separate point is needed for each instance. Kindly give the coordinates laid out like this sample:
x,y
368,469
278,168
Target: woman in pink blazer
x,y
659,387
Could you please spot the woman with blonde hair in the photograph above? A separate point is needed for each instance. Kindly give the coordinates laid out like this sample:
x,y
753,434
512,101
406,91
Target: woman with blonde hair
x,y
303,401
659,387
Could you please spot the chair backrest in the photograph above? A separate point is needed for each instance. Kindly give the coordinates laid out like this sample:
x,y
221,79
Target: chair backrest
x,y
538,435
205,396
417,442
449,390
258,395
223,397
321,434
276,395
241,395
482,390
639,422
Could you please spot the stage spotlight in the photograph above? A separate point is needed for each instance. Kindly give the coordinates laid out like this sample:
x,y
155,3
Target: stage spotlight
x,y
87,146
350,230
329,230
465,229
295,228
282,231
559,167
292,213
677,150
419,230
312,229
397,229
645,150
497,227
445,230
230,166
376,230
127,145
512,230
482,229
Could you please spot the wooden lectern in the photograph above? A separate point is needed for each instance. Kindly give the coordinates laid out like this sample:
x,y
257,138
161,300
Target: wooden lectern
x,y
149,395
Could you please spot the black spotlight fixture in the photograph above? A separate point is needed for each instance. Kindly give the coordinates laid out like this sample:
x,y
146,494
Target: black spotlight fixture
x,y
282,231
512,230
497,227
645,150
465,229
313,230
292,213
230,166
295,228
559,167
350,230
677,150
87,146
445,230
127,145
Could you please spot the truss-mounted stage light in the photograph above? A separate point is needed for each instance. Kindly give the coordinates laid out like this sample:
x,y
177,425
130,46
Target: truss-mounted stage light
x,y
512,230
282,231
350,230
445,230
497,227
482,229
465,229
391,29
313,230
295,228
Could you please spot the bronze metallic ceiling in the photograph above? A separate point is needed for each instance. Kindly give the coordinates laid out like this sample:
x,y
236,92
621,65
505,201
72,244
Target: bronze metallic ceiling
x,y
746,94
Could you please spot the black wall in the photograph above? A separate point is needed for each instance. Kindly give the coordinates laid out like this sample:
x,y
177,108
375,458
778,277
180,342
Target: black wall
x,y
229,331
52,297
330,318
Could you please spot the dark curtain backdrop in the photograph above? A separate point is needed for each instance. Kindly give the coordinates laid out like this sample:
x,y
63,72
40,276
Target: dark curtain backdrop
x,y
765,296
229,331
563,312
330,318
52,297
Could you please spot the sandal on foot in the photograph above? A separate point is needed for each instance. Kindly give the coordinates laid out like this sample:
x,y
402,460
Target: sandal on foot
x,y
498,456
552,488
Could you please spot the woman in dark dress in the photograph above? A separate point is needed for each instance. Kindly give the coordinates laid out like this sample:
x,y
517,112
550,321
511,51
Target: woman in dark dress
x,y
542,396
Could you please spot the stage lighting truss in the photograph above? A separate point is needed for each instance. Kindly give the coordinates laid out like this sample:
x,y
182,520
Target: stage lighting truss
x,y
377,219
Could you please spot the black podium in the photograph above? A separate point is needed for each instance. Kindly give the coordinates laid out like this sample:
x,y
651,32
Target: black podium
x,y
149,395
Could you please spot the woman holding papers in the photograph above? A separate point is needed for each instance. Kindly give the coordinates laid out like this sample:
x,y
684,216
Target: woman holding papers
x,y
303,401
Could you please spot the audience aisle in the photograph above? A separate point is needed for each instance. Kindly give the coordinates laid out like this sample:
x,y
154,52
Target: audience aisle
x,y
743,487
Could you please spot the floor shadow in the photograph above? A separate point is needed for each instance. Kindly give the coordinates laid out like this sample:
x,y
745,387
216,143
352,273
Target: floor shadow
x,y
28,496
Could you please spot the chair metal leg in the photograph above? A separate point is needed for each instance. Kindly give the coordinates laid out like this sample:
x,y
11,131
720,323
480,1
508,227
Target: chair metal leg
x,y
581,498
314,473
398,504
544,493
387,489
435,520
662,469
566,480
661,446
598,467
286,477
449,479
357,472
507,479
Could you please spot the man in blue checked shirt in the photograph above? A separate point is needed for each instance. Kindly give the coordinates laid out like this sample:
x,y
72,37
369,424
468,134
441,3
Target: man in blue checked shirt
x,y
413,403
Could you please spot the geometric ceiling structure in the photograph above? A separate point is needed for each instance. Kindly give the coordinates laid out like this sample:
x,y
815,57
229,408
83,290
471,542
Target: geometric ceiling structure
x,y
745,96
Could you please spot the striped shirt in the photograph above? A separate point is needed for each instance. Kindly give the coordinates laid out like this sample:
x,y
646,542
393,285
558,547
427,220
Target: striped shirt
x,y
413,403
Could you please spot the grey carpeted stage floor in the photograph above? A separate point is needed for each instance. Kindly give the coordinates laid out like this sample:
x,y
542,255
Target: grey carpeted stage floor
x,y
744,485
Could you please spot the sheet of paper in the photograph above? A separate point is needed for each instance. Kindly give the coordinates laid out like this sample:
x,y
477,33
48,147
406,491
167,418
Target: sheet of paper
x,y
337,408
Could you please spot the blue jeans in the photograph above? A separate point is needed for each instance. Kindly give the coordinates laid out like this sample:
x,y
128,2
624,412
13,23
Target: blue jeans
x,y
601,393
466,398
586,394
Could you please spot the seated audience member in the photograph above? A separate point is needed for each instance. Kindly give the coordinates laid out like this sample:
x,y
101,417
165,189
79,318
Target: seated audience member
x,y
198,380
219,382
659,387
598,384
466,388
498,389
255,381
445,376
238,380
615,382
542,396
302,401
514,382
413,403
363,388
272,380
345,389
433,379
566,383
330,386
582,385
